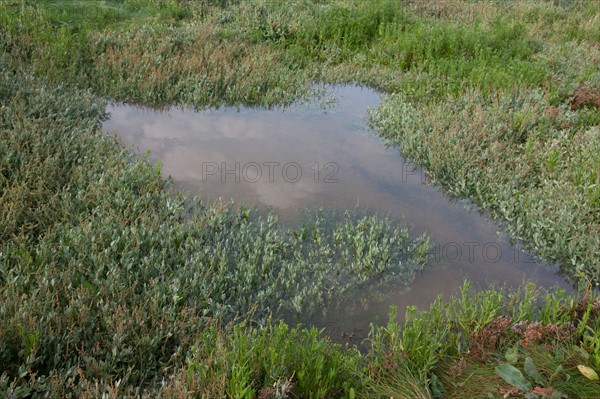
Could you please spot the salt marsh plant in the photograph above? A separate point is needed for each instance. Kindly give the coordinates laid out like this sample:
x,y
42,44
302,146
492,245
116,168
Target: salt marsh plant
x,y
526,161
453,349
438,59
92,240
109,287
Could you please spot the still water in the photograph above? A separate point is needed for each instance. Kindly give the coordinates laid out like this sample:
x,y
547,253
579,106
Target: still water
x,y
310,156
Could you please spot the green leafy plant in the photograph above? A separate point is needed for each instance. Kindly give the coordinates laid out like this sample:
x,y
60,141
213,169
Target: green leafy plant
x,y
109,288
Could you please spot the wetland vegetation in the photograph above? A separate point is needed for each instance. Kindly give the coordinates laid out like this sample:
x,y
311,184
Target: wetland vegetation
x,y
111,285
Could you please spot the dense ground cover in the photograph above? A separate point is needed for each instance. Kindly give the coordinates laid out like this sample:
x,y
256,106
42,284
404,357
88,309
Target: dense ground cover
x,y
110,284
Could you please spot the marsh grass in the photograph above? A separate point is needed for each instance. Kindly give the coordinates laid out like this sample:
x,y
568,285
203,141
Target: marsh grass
x,y
442,57
546,355
264,52
451,350
109,287
529,163
93,244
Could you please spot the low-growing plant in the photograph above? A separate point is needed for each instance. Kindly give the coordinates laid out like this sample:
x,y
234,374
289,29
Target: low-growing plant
x,y
94,244
109,287
520,159
274,360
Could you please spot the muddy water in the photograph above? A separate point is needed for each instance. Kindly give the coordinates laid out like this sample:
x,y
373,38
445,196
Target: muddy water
x,y
308,156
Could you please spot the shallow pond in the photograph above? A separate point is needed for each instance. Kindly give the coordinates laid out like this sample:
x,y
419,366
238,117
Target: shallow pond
x,y
310,156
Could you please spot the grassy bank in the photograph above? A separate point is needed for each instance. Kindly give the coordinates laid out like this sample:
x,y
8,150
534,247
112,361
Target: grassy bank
x,y
523,75
110,284
93,244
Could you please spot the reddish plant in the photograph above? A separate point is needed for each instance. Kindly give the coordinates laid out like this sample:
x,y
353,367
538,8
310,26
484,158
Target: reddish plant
x,y
537,334
484,342
584,97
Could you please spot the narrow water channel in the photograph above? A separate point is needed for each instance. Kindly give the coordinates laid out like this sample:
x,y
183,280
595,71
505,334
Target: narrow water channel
x,y
308,156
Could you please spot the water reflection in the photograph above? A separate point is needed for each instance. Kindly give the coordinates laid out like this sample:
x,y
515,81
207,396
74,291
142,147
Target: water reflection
x,y
305,156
